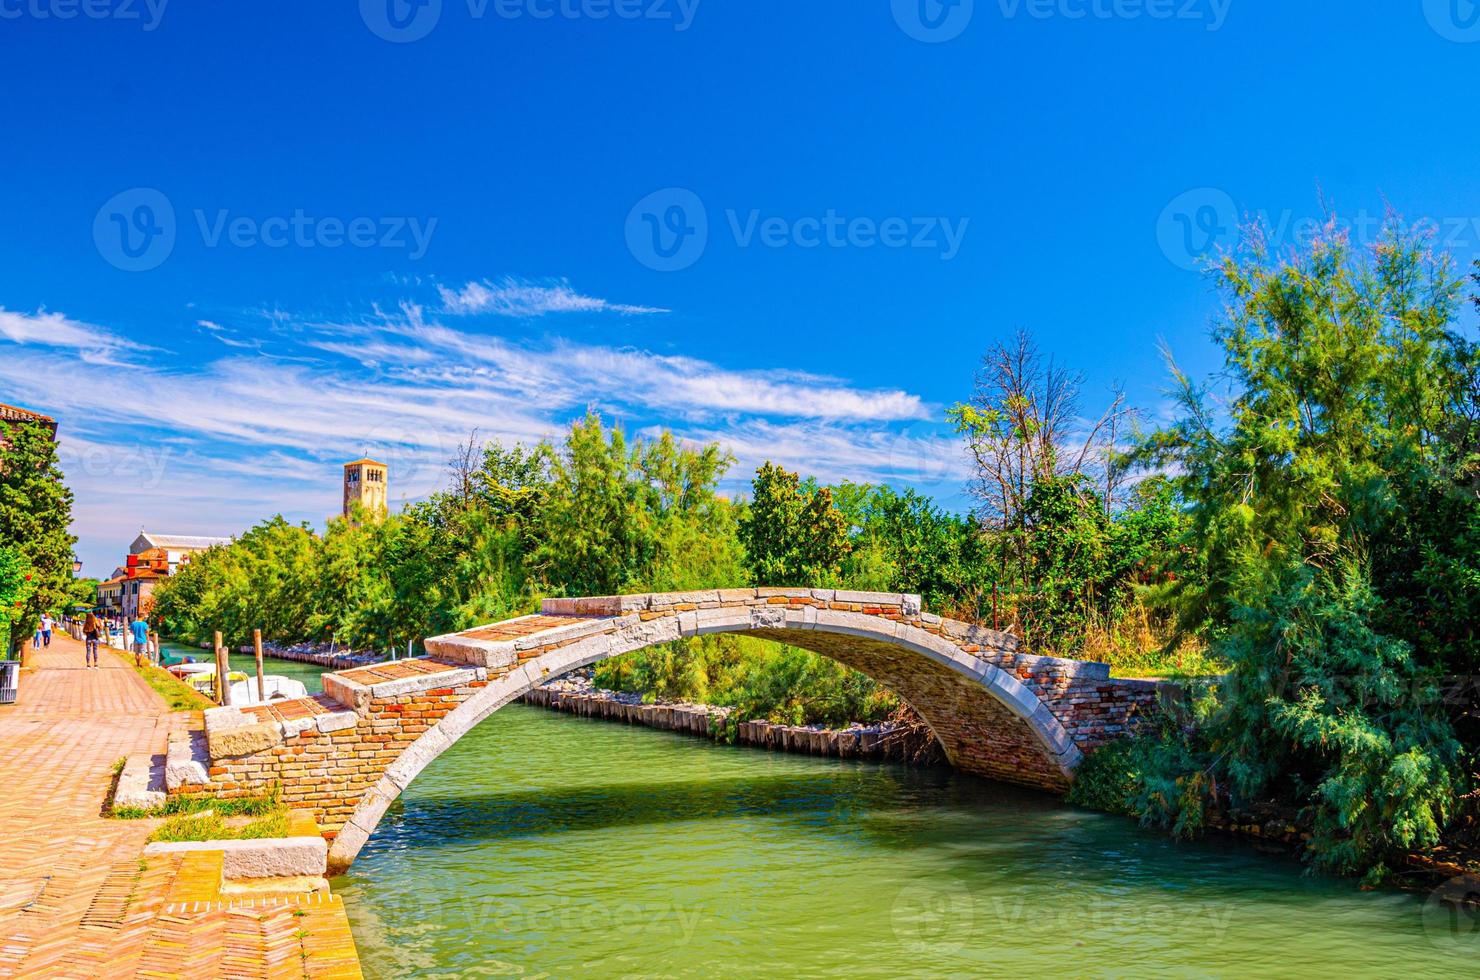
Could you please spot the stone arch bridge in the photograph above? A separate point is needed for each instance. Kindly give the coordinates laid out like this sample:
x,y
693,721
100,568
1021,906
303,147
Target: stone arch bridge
x,y
347,754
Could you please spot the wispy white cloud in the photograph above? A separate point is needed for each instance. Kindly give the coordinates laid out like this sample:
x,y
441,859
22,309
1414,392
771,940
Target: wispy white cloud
x,y
562,373
511,297
226,336
212,445
58,331
919,455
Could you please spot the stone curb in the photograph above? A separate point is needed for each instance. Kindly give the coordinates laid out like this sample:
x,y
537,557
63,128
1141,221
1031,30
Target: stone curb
x,y
270,857
134,784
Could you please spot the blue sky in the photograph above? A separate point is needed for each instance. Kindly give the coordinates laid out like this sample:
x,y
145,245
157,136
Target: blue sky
x,y
244,242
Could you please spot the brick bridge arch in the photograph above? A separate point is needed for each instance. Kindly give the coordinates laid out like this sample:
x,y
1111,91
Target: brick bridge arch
x,y
350,752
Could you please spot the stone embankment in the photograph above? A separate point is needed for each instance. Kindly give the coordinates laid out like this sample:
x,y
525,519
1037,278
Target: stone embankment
x,y
885,741
320,654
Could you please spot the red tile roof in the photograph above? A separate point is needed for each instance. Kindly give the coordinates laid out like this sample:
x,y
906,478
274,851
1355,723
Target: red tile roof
x,y
13,413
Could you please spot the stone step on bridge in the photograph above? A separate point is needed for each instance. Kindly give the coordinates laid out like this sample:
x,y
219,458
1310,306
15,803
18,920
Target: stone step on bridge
x,y
346,754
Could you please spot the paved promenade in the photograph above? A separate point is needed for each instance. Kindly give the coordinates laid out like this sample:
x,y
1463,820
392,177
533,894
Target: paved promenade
x,y
77,899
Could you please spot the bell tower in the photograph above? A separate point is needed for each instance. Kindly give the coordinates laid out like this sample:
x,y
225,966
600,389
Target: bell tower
x,y
365,482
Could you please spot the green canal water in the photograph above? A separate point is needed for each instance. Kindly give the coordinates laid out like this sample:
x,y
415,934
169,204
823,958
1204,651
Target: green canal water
x,y
543,845
547,845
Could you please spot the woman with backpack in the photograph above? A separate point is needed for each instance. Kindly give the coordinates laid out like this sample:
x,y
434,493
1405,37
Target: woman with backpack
x,y
91,630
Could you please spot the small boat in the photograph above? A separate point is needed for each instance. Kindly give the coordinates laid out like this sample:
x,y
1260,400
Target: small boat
x,y
277,687
202,677
188,669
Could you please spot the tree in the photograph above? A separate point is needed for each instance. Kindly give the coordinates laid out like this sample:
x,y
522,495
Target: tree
x,y
35,512
1022,425
615,518
1309,494
903,542
793,536
15,592
1022,429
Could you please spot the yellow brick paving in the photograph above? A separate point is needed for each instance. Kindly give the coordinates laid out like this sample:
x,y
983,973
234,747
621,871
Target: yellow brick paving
x,y
77,897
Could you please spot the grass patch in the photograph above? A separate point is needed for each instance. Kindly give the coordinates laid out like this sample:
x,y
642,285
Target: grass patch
x,y
217,826
1137,645
176,693
178,806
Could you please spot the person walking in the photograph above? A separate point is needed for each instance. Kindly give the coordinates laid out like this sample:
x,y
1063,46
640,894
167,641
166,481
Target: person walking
x,y
47,623
140,629
91,627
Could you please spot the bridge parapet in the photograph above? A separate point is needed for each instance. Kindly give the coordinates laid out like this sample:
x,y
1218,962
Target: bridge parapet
x,y
347,754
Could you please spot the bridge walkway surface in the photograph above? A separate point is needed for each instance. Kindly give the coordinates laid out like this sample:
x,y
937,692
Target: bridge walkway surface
x,y
77,897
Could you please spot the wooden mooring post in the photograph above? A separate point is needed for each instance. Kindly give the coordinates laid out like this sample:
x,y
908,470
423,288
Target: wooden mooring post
x,y
257,648
223,667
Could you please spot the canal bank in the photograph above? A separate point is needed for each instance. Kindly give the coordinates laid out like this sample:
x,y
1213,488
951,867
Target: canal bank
x,y
888,741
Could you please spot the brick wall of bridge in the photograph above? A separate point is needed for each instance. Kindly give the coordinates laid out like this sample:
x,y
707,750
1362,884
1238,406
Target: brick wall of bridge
x,y
357,745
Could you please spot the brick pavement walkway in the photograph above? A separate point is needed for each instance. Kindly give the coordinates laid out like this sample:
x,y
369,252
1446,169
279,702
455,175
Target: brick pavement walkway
x,y
76,898
58,746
